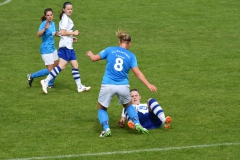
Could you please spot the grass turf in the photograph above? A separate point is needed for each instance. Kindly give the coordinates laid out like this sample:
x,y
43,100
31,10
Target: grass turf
x,y
188,49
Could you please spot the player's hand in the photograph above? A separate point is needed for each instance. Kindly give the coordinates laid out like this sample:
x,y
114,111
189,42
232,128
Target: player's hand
x,y
89,53
47,25
120,123
74,39
76,32
152,88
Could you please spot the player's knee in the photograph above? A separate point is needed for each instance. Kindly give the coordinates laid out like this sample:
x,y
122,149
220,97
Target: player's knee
x,y
151,100
100,106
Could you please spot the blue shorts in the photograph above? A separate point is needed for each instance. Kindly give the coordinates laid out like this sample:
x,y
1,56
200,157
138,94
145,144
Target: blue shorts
x,y
149,120
67,54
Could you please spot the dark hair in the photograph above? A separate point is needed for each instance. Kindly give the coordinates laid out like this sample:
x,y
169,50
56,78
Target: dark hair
x,y
43,18
134,89
123,36
64,6
66,3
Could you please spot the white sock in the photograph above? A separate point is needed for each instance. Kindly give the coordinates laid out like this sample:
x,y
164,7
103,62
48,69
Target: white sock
x,y
76,76
158,111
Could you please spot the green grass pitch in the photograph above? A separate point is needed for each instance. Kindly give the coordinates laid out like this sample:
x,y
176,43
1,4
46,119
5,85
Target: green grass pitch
x,y
188,48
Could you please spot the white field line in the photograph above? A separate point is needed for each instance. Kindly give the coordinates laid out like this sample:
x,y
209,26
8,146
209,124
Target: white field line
x,y
7,1
132,151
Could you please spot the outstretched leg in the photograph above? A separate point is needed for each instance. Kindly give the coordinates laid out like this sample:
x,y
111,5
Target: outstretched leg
x,y
133,116
40,73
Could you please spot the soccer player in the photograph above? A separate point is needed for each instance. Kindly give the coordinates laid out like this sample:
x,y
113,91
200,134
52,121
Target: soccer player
x,y
115,81
150,114
66,51
47,31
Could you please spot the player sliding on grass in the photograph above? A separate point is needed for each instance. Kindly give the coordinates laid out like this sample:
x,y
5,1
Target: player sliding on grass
x,y
66,51
150,114
115,81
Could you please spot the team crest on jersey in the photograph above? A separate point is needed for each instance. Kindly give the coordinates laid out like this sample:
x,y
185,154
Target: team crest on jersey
x,y
142,108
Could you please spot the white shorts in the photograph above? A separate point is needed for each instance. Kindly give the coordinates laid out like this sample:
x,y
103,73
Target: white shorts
x,y
49,59
107,92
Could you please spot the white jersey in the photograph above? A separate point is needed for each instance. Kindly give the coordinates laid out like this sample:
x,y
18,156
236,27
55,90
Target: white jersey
x,y
67,24
143,108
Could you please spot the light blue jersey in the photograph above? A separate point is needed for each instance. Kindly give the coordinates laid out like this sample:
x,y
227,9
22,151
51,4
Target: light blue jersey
x,y
47,45
119,62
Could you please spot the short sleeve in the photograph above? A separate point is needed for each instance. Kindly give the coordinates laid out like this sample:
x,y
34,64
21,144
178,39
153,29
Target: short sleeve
x,y
103,54
63,24
42,25
134,62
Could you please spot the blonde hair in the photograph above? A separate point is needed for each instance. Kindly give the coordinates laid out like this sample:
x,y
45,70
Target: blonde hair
x,y
123,36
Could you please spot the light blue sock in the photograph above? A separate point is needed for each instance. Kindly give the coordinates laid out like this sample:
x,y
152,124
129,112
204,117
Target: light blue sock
x,y
132,113
50,83
40,73
103,118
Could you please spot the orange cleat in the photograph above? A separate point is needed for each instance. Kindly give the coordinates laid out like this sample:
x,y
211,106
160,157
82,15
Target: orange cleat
x,y
130,124
168,120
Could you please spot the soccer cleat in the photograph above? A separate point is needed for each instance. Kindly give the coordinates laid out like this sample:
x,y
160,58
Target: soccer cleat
x,y
168,120
130,124
44,86
140,129
52,86
83,88
30,80
106,133
137,127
